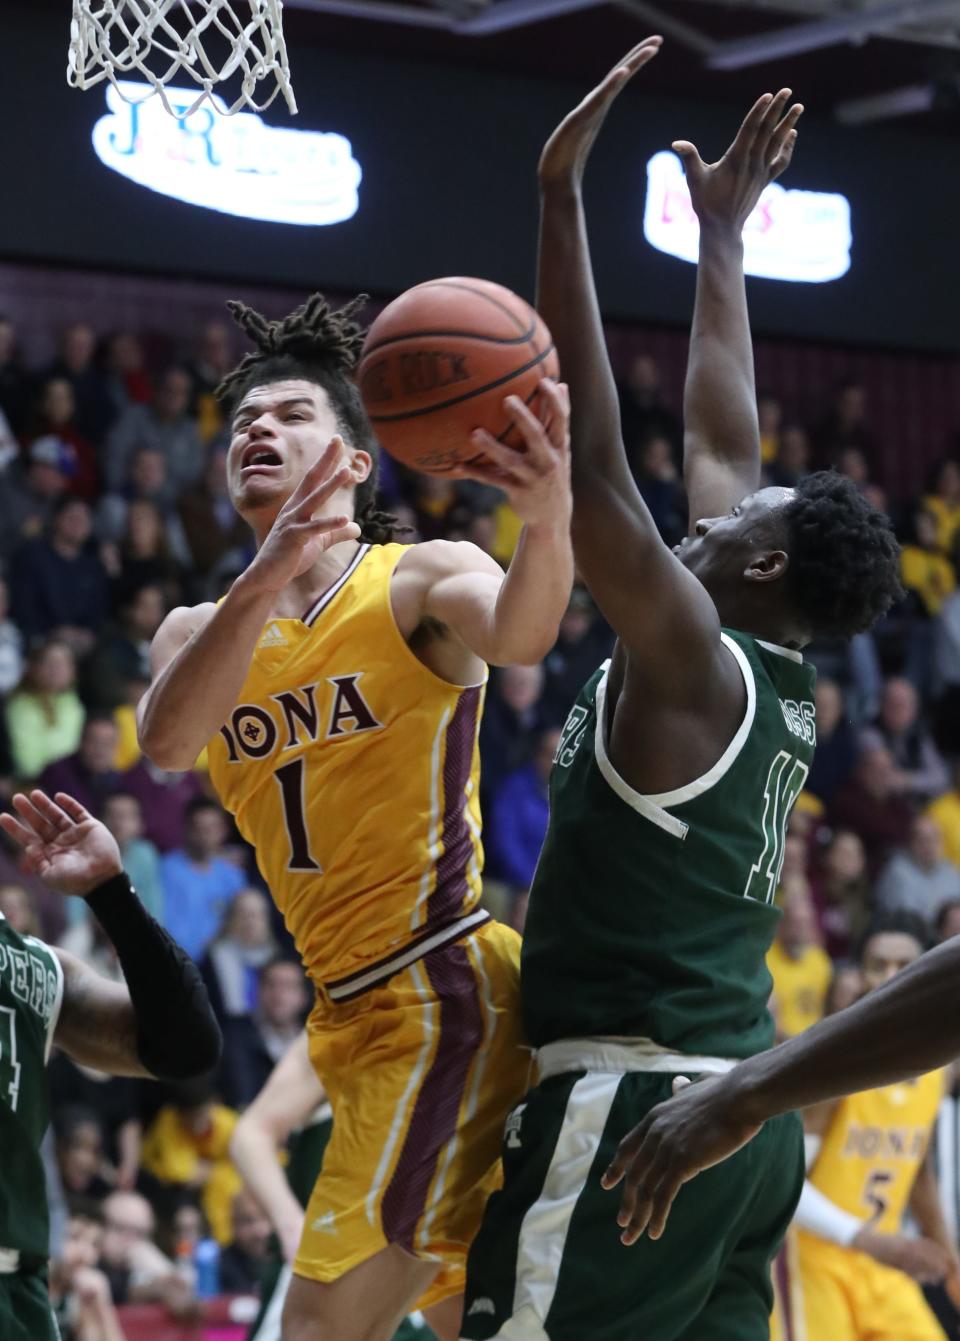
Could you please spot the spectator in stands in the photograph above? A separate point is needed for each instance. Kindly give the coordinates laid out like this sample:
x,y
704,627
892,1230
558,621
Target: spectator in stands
x,y
145,557
243,1259
79,1292
643,411
78,1132
29,491
57,583
146,482
89,774
125,378
852,462
658,480
186,1149
214,534
836,743
164,799
583,642
846,986
946,675
11,645
513,714
948,921
841,891
943,501
198,881
918,878
137,1270
792,461
845,424
518,819
123,652
231,964
123,816
18,909
75,363
945,813
214,359
15,381
115,1101
770,422
167,426
873,805
45,716
54,417
924,569
253,1044
798,964
86,939
919,772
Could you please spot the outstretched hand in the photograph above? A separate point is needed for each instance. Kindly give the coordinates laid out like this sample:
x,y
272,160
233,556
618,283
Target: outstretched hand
x,y
566,152
699,1127
62,843
727,192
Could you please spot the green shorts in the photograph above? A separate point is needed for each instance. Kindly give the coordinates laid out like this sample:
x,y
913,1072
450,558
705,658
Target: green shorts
x,y
25,1312
548,1264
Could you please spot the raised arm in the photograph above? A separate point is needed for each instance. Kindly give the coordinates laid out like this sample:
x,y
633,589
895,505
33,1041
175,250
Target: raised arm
x,y
660,612
159,1023
902,1030
721,454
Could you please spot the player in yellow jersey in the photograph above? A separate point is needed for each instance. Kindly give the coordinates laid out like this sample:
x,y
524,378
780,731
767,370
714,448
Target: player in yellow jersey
x,y
338,686
851,1273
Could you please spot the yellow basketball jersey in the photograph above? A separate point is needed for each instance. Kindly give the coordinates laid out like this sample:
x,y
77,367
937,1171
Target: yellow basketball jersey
x,y
874,1147
354,770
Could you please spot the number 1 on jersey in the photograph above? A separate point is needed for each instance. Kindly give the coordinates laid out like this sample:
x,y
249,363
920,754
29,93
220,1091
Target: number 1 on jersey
x,y
784,784
290,780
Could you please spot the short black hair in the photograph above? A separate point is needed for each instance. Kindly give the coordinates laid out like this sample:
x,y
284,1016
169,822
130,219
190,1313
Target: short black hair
x,y
844,570
315,343
899,922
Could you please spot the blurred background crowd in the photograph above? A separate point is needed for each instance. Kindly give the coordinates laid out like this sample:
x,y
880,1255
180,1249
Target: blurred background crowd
x,y
114,508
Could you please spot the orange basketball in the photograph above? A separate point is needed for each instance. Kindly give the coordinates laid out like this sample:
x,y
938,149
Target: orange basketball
x,y
438,363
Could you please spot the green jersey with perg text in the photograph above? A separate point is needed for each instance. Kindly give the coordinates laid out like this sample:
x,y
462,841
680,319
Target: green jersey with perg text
x,y
31,989
650,916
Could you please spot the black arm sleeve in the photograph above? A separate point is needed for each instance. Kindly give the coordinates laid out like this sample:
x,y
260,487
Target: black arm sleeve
x,y
177,1033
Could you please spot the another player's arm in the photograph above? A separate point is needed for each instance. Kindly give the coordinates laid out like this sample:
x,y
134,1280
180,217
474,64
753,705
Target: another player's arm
x,y
287,1101
160,1023
661,613
200,657
513,618
721,454
902,1030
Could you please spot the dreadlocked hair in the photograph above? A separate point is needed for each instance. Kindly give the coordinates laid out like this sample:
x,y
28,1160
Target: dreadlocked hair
x,y
844,570
319,344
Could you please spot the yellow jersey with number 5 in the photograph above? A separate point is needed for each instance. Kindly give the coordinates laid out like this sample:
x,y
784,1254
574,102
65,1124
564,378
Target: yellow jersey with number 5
x,y
874,1147
353,770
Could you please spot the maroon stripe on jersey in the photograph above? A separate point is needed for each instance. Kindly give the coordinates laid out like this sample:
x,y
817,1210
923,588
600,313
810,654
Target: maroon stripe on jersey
x,y
451,887
437,1106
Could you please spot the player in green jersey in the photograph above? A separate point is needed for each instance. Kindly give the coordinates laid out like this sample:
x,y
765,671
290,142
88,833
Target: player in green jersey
x,y
292,1102
652,908
160,1026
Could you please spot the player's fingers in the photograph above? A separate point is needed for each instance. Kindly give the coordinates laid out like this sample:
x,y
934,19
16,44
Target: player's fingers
x,y
32,817
540,454
746,136
349,531
323,490
781,146
693,165
636,1201
321,469
771,119
50,810
72,807
554,413
17,831
312,526
662,1200
600,98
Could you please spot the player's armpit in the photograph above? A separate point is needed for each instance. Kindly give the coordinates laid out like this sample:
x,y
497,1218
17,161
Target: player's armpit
x,y
97,1026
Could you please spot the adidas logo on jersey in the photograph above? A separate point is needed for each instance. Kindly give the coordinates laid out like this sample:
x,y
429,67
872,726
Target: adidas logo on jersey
x,y
273,637
325,1224
481,1306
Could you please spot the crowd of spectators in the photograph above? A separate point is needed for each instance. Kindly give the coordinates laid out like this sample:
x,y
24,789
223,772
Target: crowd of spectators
x,y
114,508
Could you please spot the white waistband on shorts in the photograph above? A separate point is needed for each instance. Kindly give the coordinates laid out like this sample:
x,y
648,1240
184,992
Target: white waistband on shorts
x,y
616,1056
9,1261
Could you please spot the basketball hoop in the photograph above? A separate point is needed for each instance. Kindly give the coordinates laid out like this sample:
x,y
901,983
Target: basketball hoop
x,y
164,40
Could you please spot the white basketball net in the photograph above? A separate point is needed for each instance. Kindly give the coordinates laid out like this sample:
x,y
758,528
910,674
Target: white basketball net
x,y
163,40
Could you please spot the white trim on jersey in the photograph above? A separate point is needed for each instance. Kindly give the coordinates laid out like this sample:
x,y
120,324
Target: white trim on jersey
x,y
790,653
543,1232
57,1003
323,601
656,807
618,1056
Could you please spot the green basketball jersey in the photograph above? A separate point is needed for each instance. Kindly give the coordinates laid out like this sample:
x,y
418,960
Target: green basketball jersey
x,y
31,989
650,916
